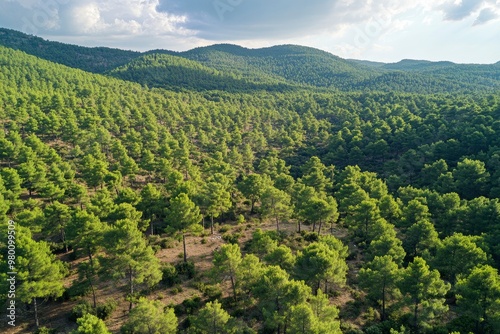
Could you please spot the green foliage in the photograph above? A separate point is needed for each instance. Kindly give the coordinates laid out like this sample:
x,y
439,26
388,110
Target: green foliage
x,y
458,255
423,291
253,187
129,257
170,277
277,295
211,319
276,205
186,268
318,262
105,310
80,310
189,305
478,295
421,239
281,256
93,163
183,214
379,278
90,324
226,263
39,274
150,317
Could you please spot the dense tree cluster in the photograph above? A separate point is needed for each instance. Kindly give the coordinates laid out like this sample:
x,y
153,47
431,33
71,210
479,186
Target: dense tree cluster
x,y
387,198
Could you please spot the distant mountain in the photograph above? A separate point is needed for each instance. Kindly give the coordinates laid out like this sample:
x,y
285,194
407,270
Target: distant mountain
x,y
232,68
417,65
97,60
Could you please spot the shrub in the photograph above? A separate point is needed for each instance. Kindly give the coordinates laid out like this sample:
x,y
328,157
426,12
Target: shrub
x,y
189,305
186,268
105,310
170,275
156,248
154,240
310,236
176,290
231,238
80,310
168,243
212,292
77,289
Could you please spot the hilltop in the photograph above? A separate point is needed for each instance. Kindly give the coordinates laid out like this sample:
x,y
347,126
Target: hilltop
x,y
283,67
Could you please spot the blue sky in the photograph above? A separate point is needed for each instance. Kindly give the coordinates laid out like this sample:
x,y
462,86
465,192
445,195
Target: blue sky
x,y
465,31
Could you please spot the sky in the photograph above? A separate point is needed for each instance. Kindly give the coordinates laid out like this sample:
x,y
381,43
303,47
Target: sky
x,y
462,31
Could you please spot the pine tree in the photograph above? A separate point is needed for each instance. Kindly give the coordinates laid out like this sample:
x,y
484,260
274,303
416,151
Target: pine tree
x,y
478,295
211,319
226,262
183,215
129,257
276,204
379,279
90,324
423,291
39,274
150,317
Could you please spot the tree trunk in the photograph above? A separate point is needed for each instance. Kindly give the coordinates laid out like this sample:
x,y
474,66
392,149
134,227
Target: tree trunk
x,y
233,286
253,205
63,238
277,224
212,224
299,226
382,316
184,246
131,282
37,323
319,227
94,297
415,317
91,260
314,226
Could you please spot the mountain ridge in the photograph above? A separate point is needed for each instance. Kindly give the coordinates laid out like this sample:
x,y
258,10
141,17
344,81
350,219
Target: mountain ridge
x,y
230,67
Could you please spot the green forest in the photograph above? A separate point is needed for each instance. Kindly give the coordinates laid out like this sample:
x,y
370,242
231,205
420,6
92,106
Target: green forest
x,y
230,190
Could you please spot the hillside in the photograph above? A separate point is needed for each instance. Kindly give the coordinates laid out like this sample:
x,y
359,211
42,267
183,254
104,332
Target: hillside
x,y
231,67
293,63
98,60
168,206
173,72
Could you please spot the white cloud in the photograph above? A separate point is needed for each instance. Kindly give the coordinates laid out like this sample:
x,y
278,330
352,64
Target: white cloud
x,y
349,28
87,19
483,10
486,15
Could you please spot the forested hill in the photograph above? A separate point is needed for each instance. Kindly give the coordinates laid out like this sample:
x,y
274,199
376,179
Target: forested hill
x,y
98,59
231,67
177,73
295,64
